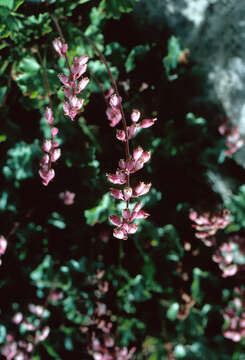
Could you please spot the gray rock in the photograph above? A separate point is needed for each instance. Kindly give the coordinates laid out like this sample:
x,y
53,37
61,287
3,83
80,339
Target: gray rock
x,y
214,32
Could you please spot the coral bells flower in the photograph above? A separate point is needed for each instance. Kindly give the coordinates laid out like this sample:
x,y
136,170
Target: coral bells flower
x,y
234,315
233,138
67,197
125,224
207,224
230,256
73,84
60,47
113,112
52,152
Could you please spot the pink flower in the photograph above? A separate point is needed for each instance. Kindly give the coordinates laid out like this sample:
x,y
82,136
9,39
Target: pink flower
x,y
3,245
67,197
60,47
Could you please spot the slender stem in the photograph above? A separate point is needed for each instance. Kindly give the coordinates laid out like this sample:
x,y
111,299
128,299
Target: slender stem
x,y
61,37
46,84
114,85
45,77
6,92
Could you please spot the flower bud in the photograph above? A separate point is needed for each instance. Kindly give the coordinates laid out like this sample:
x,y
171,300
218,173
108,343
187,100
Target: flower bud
x,y
55,154
114,101
54,131
147,123
47,145
131,131
119,234
137,153
127,192
121,135
116,193
146,155
64,79
49,116
126,214
82,84
135,115
132,228
116,220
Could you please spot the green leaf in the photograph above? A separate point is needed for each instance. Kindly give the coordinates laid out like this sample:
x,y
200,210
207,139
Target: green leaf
x,y
21,160
138,51
3,333
99,213
7,3
115,8
170,61
173,311
196,286
57,220
3,90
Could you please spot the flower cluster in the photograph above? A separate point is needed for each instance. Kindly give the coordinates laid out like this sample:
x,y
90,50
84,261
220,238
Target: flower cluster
x,y
73,84
52,152
234,315
231,256
233,138
126,167
100,328
207,224
114,115
67,197
22,349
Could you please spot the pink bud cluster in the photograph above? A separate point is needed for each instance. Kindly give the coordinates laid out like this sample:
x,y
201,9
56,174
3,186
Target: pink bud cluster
x,y
22,349
101,329
234,314
231,256
67,197
114,115
52,152
73,84
233,138
125,225
207,224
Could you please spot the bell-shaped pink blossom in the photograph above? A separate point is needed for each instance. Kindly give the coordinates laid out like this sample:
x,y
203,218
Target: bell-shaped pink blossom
x,y
114,100
55,155
49,116
121,135
116,193
137,153
131,131
60,47
47,145
115,220
141,189
132,228
118,178
119,234
54,131
147,123
82,84
135,115
127,192
64,79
